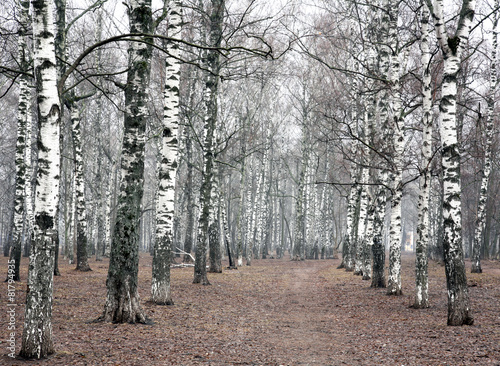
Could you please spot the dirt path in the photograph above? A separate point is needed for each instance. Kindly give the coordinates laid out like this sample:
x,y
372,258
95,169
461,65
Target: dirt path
x,y
276,312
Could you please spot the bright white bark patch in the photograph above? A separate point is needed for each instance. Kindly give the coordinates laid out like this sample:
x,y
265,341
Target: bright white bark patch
x,y
37,335
452,49
485,176
160,285
421,276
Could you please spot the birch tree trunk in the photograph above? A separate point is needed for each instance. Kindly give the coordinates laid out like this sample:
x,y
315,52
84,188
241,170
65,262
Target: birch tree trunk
x,y
160,283
23,145
485,174
381,193
37,339
459,312
188,238
250,215
82,263
361,242
210,111
422,242
394,278
122,299
299,237
242,214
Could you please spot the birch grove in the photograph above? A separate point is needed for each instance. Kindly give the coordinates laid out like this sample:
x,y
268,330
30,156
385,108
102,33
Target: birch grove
x,y
213,134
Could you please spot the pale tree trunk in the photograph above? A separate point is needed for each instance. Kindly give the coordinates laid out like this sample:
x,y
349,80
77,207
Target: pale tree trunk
x,y
61,57
381,192
310,207
82,263
225,227
37,339
165,205
351,220
242,214
214,232
262,204
250,222
23,147
422,242
394,286
102,169
107,210
210,112
300,222
485,176
188,238
364,201
459,312
122,299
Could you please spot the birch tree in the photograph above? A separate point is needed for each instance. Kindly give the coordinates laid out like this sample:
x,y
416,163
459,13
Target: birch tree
x,y
210,116
122,299
82,263
486,171
23,145
452,46
394,278
37,339
421,271
160,284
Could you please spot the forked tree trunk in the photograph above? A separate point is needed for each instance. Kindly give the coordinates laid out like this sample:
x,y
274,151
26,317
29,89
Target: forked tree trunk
x,y
459,312
122,299
37,339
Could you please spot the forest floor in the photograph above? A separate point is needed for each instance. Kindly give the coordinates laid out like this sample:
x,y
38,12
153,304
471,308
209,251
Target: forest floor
x,y
275,312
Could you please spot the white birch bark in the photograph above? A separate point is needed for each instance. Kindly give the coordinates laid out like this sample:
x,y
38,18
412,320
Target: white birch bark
x,y
299,236
452,47
82,263
262,204
37,339
422,242
394,286
160,284
363,204
351,220
250,215
23,145
210,117
485,176
242,215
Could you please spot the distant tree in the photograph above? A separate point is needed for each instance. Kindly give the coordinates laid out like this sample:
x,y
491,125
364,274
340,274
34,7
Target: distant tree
x,y
486,171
